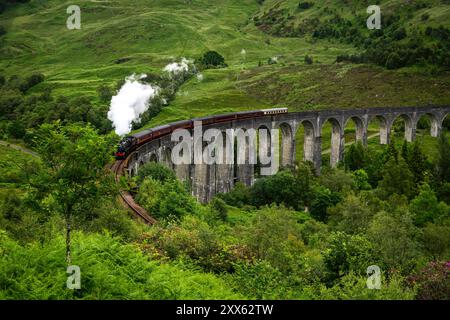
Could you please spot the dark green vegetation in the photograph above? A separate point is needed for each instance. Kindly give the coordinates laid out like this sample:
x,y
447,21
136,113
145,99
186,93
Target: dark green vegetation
x,y
82,69
412,33
291,236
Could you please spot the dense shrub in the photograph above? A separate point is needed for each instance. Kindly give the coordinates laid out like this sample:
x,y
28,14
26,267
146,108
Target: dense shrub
x,y
155,171
212,58
285,187
305,5
433,281
166,200
109,270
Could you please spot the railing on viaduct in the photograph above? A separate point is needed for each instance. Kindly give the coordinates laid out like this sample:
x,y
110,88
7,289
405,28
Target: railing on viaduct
x,y
207,180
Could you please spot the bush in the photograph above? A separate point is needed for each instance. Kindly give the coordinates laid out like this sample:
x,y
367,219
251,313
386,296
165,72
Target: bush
x,y
109,270
219,208
239,196
165,200
347,253
305,5
31,81
323,199
433,281
282,188
2,31
155,171
105,93
213,58
354,287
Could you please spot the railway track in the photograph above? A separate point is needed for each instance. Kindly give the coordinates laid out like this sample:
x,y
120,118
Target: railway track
x,y
126,198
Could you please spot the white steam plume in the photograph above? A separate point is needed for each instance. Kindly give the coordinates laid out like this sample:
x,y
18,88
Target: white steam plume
x,y
130,103
178,67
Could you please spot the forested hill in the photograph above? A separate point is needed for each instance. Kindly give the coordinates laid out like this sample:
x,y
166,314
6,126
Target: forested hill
x,y
411,32
293,235
299,54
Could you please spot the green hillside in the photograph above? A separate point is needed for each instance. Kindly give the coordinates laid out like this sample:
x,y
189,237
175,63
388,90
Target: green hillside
x,y
295,235
118,38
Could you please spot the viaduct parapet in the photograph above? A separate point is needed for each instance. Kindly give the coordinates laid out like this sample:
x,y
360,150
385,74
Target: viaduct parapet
x,y
208,180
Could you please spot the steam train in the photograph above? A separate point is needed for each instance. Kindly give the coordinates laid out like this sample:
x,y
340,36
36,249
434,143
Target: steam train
x,y
131,142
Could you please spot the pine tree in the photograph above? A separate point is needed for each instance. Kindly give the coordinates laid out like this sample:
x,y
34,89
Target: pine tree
x,y
391,151
417,163
355,157
443,160
397,178
405,151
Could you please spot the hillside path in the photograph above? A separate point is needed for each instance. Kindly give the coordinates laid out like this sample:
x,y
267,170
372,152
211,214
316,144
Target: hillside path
x,y
352,142
17,147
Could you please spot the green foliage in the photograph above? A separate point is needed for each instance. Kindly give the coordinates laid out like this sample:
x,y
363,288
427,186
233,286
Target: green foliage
x,y
417,163
354,287
308,59
337,180
31,81
303,5
394,238
347,253
212,59
351,215
166,200
73,177
155,171
273,235
259,281
443,160
355,157
109,270
238,196
397,178
219,208
323,199
105,93
192,238
436,240
361,179
433,281
282,188
426,207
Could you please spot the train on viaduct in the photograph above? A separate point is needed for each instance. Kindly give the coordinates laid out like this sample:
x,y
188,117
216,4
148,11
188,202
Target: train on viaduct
x,y
206,180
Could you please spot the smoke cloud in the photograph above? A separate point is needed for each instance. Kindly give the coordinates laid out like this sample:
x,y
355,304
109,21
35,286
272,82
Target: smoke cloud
x,y
132,100
176,68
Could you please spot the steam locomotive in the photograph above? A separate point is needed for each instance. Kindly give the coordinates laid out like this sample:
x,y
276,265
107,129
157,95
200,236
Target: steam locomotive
x,y
131,142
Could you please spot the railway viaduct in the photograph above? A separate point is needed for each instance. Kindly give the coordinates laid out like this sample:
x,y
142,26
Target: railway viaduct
x,y
207,180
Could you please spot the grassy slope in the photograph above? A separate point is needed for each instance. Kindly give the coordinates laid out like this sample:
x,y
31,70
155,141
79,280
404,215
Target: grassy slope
x,y
152,33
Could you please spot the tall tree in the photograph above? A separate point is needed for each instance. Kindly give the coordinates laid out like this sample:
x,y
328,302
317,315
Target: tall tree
x,y
355,157
443,160
405,150
74,175
397,178
391,151
417,163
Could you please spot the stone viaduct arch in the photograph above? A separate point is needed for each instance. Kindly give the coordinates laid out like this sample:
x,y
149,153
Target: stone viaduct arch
x,y
206,180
